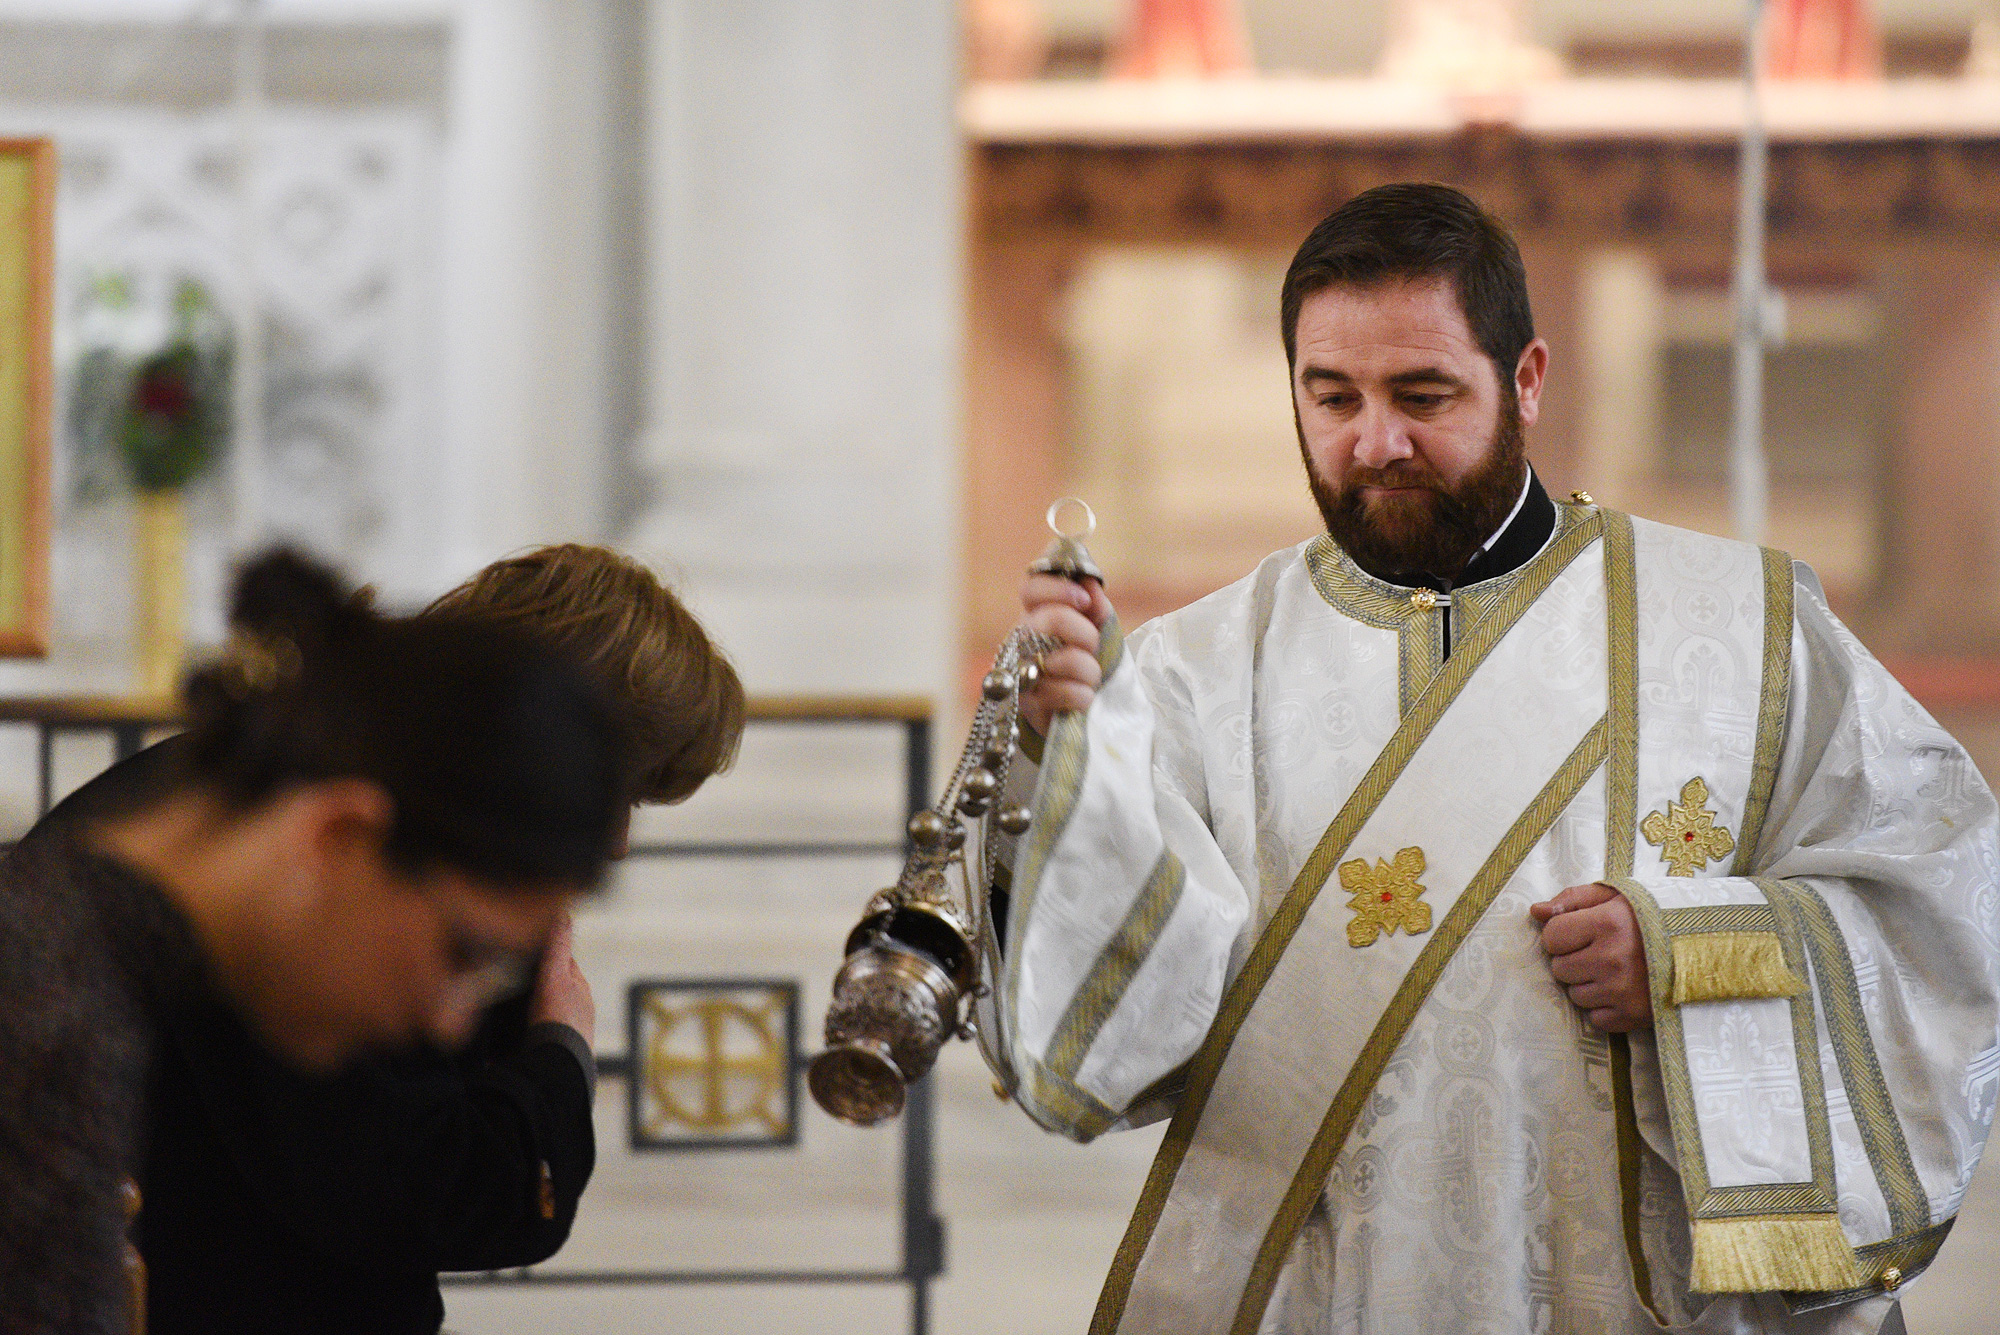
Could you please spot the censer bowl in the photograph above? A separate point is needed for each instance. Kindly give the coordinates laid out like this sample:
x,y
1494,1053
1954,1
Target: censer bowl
x,y
896,1002
858,1082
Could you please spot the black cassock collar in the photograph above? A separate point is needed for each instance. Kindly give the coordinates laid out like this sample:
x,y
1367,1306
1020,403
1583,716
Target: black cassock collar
x,y
1524,533
1520,538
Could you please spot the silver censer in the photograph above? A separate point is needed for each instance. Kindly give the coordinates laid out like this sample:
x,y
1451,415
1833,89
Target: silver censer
x,y
913,967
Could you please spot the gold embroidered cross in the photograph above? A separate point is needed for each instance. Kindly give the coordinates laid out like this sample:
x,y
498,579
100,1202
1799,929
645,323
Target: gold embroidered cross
x,y
1686,832
1385,897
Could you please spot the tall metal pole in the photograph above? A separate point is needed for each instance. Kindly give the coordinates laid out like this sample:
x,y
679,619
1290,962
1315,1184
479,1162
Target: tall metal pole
x,y
1749,475
923,1230
246,471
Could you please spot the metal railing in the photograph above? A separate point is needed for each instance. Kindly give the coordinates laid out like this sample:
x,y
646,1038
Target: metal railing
x,y
129,722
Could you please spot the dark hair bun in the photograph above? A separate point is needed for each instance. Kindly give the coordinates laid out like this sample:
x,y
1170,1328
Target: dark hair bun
x,y
284,594
500,755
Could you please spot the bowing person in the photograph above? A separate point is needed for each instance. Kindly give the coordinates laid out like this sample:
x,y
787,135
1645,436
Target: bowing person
x,y
370,829
276,1202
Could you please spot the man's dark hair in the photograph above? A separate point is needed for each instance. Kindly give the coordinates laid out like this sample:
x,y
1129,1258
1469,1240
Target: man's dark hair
x,y
1419,230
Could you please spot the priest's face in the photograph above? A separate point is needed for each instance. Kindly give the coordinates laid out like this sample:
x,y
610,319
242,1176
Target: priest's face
x,y
1412,442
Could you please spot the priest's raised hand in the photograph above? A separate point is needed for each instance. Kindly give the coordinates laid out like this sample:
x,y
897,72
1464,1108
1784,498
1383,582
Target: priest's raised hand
x,y
1070,611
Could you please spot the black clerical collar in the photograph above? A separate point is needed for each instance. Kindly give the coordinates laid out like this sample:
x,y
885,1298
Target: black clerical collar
x,y
1522,534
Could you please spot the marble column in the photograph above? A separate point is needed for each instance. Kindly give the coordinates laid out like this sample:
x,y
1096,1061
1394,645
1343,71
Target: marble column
x,y
804,223
523,256
1620,299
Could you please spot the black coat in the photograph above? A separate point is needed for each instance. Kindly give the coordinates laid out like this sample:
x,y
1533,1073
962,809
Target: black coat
x,y
275,1202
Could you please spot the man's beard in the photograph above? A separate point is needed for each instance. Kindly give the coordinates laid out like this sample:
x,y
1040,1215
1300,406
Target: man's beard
x,y
1434,529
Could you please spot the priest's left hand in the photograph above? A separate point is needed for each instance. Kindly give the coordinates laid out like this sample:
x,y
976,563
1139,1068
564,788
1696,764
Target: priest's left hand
x,y
1596,953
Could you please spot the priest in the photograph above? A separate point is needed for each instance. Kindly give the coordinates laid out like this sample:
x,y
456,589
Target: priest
x,y
1531,917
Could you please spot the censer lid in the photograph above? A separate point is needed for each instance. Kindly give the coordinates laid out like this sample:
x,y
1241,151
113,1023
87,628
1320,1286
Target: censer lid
x,y
1066,555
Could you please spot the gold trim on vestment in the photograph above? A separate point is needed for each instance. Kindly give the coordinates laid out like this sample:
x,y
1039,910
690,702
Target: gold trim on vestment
x,y
1763,1253
1630,1145
1656,940
1354,592
1900,1259
1773,705
1720,918
1059,786
1731,966
1115,967
1110,647
1418,623
1310,1179
1704,1201
1621,656
1084,1116
1419,654
1473,603
1805,1200
1523,589
1854,1051
1812,1077
1621,836
1049,1083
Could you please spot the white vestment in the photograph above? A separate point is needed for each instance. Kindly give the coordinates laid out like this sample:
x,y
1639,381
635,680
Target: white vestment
x,y
1277,886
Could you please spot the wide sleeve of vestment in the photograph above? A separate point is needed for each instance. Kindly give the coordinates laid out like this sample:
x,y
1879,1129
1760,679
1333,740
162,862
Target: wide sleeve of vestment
x,y
1122,912
1868,929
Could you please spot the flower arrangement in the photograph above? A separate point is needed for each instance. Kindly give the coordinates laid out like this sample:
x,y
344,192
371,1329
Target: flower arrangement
x,y
155,420
152,414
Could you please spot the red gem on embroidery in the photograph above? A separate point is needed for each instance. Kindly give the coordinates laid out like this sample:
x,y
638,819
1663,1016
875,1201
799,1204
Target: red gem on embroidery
x,y
1689,836
1387,898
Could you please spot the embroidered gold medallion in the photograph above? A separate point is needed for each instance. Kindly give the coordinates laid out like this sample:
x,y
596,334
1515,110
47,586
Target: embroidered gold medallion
x,y
1686,832
1385,897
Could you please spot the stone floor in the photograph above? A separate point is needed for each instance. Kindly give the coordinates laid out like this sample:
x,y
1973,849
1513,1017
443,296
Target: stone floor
x,y
1960,1294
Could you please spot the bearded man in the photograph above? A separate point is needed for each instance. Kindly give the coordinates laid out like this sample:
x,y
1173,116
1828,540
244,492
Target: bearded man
x,y
1532,918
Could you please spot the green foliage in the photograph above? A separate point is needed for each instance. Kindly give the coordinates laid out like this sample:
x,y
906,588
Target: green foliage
x,y
163,416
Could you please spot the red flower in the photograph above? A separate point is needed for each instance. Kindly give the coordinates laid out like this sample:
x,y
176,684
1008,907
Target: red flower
x,y
161,393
